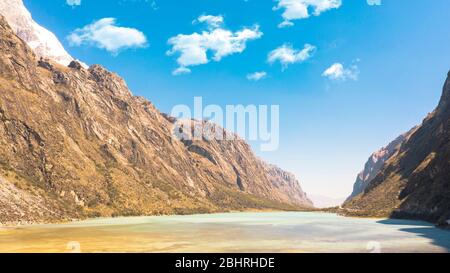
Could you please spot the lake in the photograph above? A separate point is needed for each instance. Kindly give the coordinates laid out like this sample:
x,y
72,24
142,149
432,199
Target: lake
x,y
230,232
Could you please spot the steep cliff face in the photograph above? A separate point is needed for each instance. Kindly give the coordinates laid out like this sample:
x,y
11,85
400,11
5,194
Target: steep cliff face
x,y
415,182
74,142
375,162
43,42
287,184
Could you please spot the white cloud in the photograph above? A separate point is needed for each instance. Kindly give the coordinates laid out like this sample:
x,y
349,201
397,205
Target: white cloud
x,y
181,70
374,2
73,2
338,72
256,76
219,42
301,9
210,20
287,55
285,24
105,34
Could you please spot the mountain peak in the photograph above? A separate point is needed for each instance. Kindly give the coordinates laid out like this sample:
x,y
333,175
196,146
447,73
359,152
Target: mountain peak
x,y
445,100
44,43
111,81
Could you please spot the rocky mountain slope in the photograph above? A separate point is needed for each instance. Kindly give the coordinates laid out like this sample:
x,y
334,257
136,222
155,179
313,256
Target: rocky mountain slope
x,y
286,183
415,182
375,162
43,42
76,143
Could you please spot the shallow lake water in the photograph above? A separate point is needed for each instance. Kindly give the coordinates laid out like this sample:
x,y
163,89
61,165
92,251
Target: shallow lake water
x,y
231,232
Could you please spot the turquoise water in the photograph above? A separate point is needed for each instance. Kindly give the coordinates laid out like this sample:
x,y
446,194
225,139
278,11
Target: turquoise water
x,y
232,232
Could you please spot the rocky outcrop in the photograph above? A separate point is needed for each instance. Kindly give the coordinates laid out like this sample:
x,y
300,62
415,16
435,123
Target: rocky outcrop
x,y
375,162
415,182
76,143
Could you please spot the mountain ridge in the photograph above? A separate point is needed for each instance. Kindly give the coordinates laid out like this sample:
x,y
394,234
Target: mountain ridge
x,y
44,43
375,162
76,143
415,182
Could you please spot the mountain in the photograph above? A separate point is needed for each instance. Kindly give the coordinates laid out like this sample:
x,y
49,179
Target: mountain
x,y
286,183
415,181
76,143
323,202
375,162
43,42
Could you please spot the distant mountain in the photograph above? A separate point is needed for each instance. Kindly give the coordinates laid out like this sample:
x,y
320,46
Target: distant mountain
x,y
322,202
375,162
43,42
76,143
415,181
287,183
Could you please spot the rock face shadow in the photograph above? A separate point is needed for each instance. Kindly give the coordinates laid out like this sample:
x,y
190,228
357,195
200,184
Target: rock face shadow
x,y
439,237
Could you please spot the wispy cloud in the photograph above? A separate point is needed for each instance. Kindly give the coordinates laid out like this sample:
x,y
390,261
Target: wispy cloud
x,y
193,49
181,70
374,2
256,76
302,9
105,34
211,21
338,72
154,5
287,55
73,2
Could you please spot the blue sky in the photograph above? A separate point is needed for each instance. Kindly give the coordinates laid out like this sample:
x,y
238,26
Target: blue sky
x,y
395,58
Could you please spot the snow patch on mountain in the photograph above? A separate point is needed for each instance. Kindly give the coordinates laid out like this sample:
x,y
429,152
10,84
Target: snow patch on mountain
x,y
44,43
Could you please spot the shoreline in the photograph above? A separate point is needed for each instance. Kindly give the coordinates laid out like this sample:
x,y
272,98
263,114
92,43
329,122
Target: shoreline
x,y
367,215
336,211
16,225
